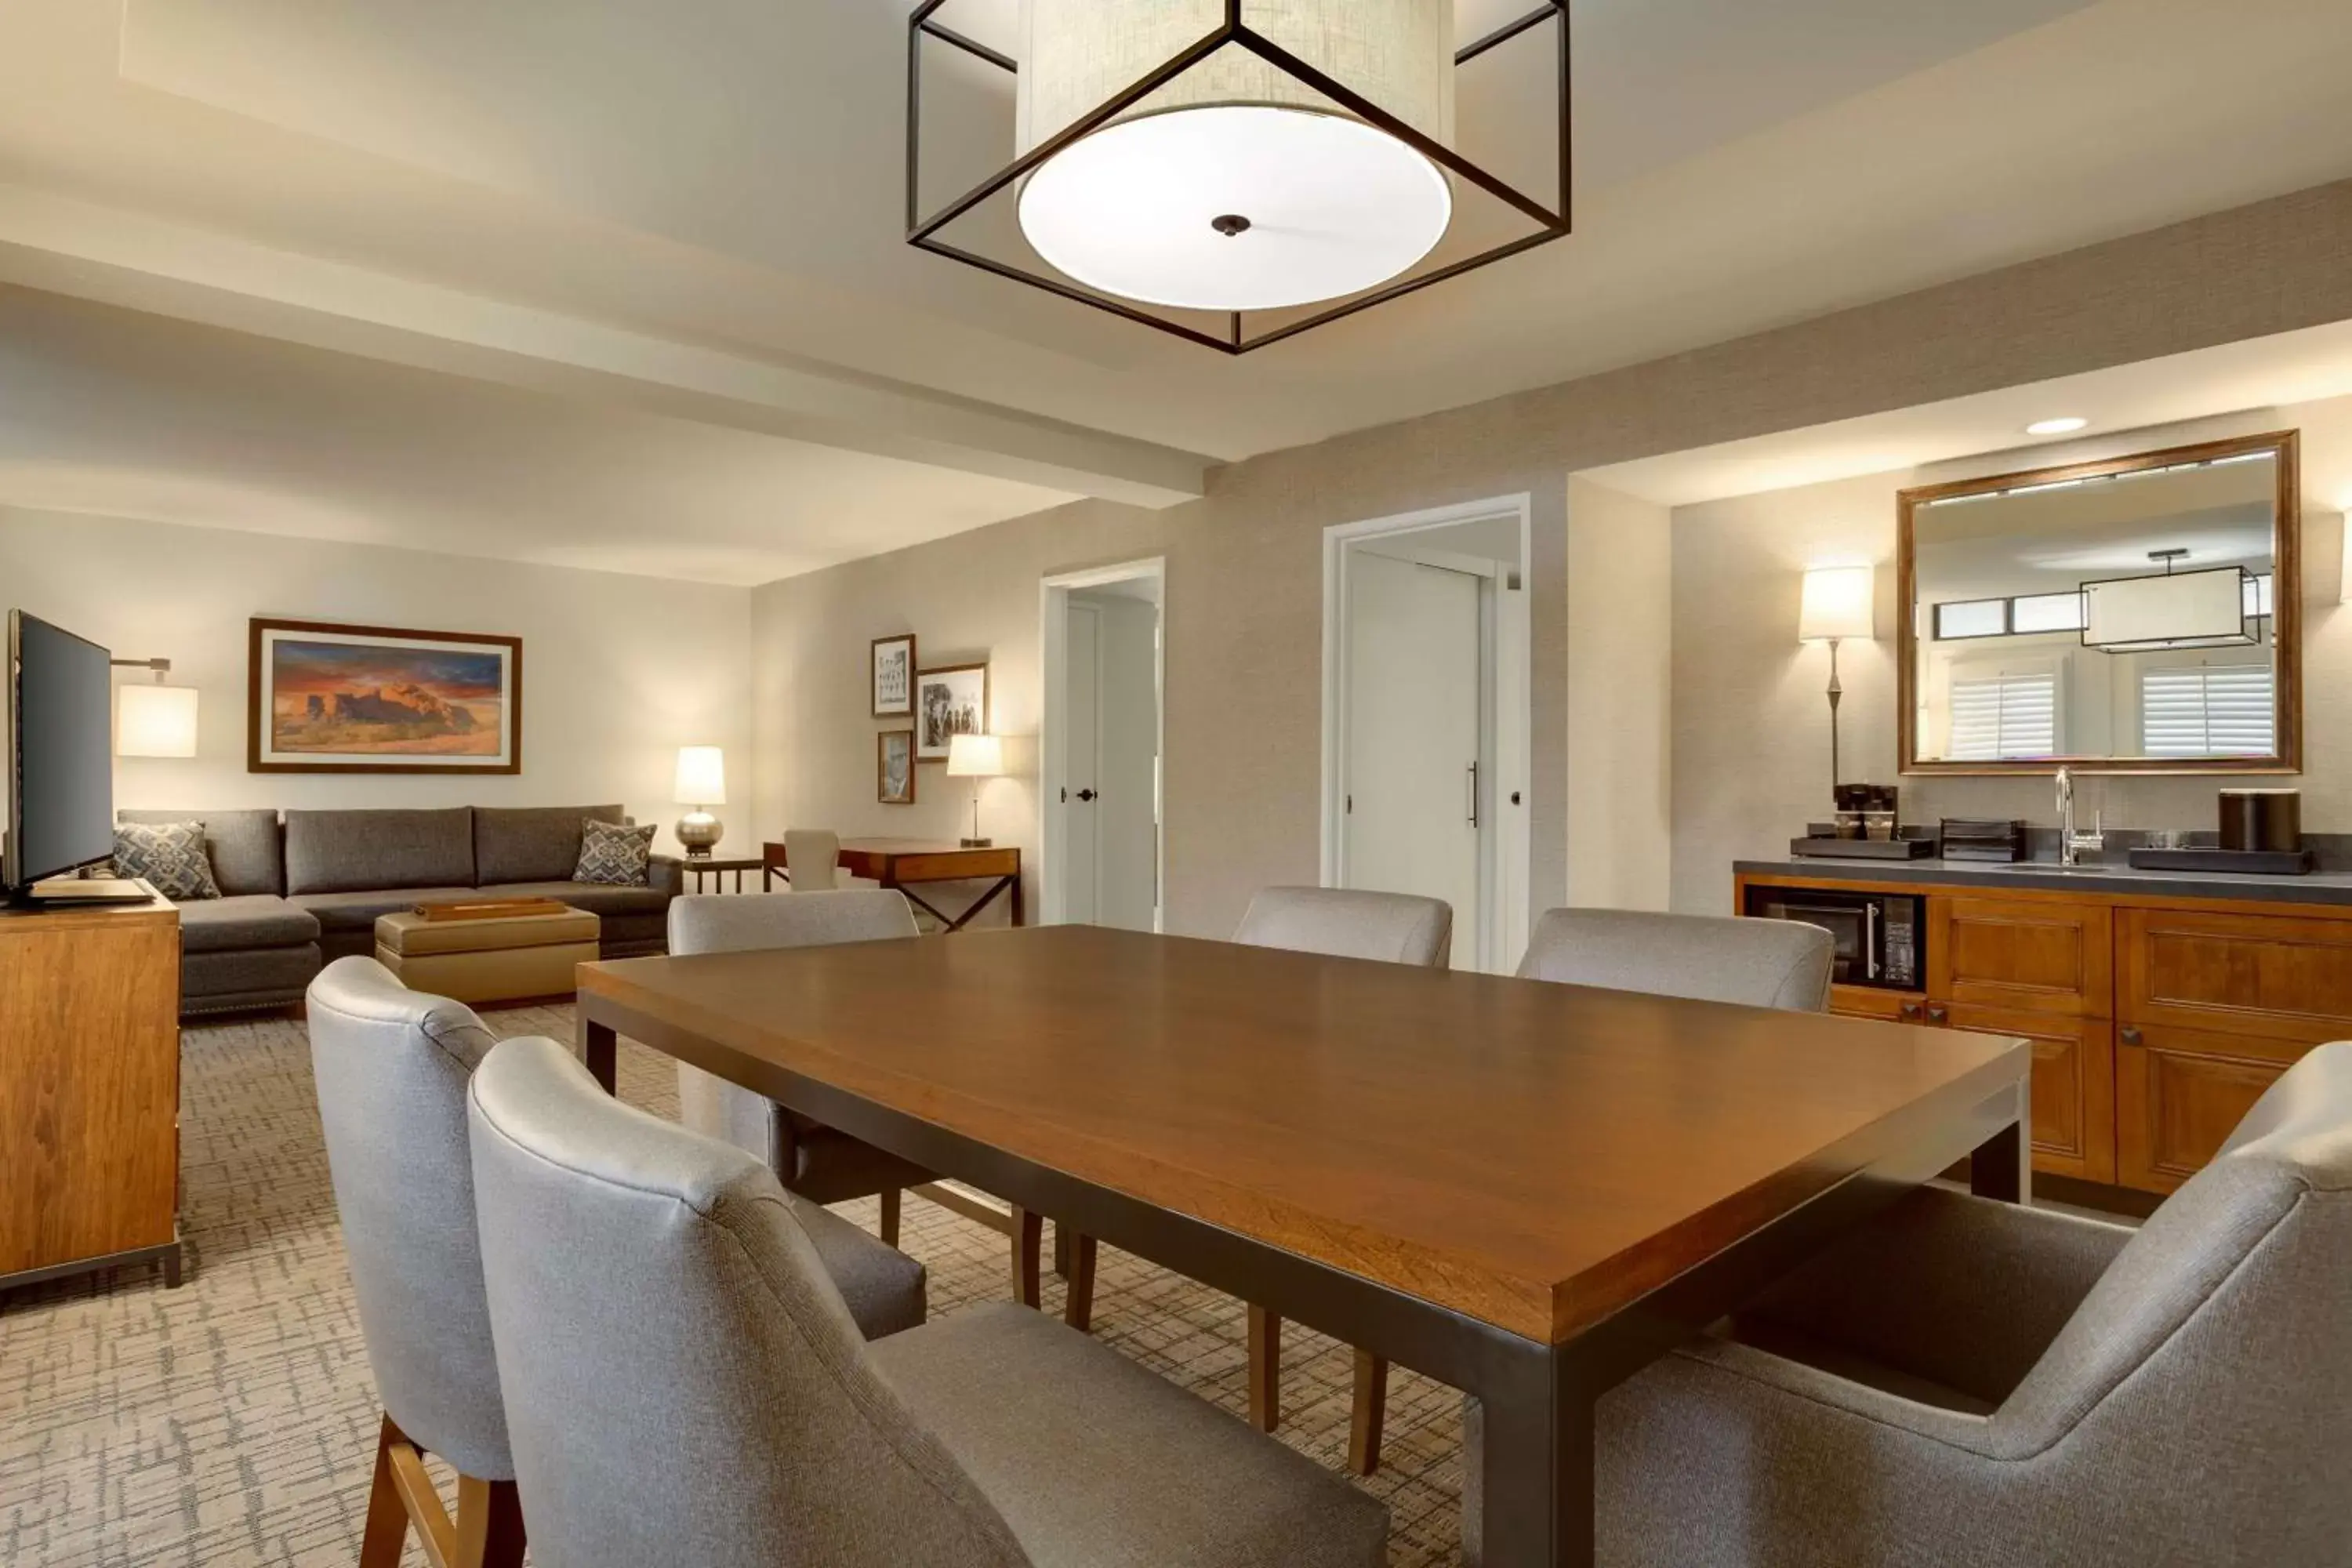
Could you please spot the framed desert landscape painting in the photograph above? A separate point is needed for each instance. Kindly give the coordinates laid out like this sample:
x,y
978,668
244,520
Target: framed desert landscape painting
x,y
322,698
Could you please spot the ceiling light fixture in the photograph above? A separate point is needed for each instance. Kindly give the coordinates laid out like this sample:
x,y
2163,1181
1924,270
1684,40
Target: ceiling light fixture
x,y
2065,426
1296,156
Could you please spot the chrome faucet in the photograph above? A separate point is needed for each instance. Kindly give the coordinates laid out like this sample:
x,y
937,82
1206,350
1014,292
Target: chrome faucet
x,y
2072,844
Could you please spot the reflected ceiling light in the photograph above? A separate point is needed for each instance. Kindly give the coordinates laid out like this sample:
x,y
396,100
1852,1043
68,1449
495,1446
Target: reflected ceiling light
x,y
2065,426
1230,156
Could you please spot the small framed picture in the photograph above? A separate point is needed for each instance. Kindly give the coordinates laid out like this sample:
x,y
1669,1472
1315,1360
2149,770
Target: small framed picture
x,y
894,767
950,700
894,676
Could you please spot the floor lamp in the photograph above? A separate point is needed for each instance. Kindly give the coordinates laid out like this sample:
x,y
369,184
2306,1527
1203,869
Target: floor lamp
x,y
1837,606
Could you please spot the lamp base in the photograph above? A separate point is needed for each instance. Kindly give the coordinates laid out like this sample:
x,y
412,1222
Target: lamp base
x,y
978,843
699,833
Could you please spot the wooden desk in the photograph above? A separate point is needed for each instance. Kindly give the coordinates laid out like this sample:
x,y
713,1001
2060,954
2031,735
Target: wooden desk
x,y
1527,1191
899,862
89,1089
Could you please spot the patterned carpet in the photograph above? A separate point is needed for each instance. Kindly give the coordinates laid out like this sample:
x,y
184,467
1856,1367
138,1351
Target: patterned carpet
x,y
232,1421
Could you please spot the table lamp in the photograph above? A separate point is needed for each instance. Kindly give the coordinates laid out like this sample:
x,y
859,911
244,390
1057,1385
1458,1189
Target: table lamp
x,y
1837,606
701,783
977,758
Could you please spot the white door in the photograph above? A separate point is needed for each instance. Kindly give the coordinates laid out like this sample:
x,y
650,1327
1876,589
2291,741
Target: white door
x,y
1413,717
1081,785
1127,764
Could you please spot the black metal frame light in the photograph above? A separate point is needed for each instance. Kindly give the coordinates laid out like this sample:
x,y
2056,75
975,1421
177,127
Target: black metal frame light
x,y
924,232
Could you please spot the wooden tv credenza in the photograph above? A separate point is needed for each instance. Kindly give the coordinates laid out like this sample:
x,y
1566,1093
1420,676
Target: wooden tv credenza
x,y
89,1089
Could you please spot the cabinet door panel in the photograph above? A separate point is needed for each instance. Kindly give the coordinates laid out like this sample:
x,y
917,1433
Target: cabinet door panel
x,y
2074,1087
2272,975
2039,954
2180,1092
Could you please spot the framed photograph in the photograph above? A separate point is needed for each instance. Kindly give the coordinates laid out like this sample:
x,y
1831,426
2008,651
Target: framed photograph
x,y
948,701
894,767
894,676
323,697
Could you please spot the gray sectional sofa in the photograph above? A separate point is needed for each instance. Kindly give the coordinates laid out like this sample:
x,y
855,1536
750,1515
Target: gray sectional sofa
x,y
300,893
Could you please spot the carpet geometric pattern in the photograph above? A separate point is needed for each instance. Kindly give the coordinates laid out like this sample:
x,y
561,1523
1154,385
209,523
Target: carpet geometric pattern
x,y
232,1421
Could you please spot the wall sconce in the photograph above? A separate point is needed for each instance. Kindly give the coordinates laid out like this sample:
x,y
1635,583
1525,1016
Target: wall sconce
x,y
1838,604
156,721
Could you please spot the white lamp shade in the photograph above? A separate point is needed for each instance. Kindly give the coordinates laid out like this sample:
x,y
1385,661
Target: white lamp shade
x,y
1838,604
1333,204
156,721
975,756
702,776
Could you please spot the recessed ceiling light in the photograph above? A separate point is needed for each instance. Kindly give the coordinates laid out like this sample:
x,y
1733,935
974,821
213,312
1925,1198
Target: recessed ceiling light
x,y
2065,426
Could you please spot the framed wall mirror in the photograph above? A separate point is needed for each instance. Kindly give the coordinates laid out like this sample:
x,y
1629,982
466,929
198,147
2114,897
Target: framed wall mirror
x,y
2134,615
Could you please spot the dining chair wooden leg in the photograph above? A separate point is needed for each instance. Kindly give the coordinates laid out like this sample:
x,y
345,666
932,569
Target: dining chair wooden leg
x,y
1028,1230
1078,1305
892,1204
1369,1414
487,1533
1264,1369
387,1534
1061,1251
490,1524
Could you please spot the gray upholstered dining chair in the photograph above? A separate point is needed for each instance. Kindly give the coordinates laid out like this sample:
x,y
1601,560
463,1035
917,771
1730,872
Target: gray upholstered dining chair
x,y
813,1160
1702,958
1967,1383
707,1400
811,859
1346,923
1339,922
391,1066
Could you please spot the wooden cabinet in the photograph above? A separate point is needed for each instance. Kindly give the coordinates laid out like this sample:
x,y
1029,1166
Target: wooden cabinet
x,y
2074,1084
89,1089
2280,977
2213,1006
2156,1022
2031,955
2178,1094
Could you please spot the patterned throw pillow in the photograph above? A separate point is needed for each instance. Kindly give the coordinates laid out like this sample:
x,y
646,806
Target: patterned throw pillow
x,y
169,855
613,856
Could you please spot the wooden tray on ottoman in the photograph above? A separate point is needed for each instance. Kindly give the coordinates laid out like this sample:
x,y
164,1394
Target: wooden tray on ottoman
x,y
496,958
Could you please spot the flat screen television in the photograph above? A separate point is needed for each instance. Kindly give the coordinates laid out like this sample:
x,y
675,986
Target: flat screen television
x,y
60,753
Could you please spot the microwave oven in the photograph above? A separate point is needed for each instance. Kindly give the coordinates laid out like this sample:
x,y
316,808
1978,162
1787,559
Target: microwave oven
x,y
1880,938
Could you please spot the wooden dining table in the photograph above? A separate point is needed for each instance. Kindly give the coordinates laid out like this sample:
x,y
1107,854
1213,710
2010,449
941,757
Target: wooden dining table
x,y
1525,1191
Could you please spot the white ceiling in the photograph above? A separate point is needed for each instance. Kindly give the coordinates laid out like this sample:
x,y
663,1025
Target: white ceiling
x,y
112,411
2258,373
692,210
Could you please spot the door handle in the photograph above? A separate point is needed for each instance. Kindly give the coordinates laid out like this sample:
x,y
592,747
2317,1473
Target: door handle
x,y
1910,1009
1474,794
2133,1037
1086,794
1938,1015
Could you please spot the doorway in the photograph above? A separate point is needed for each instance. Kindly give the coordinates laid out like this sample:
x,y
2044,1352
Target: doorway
x,y
1426,716
1103,857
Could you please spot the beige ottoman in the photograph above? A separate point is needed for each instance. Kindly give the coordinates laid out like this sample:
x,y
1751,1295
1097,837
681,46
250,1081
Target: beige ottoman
x,y
510,959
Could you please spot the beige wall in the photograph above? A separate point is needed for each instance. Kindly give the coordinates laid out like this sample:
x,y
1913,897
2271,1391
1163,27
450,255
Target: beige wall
x,y
1751,723
1245,577
618,672
1619,676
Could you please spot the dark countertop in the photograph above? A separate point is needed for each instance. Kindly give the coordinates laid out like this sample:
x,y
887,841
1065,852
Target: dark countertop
x,y
2047,876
